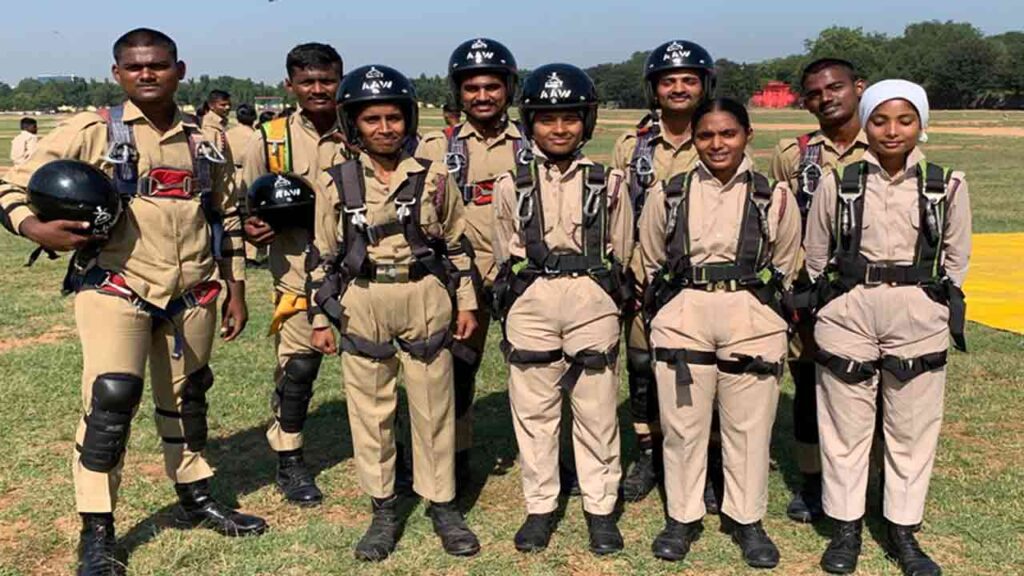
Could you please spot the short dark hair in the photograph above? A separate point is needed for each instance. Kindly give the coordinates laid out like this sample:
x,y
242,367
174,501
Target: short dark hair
x,y
450,108
217,96
727,105
313,55
144,37
822,64
267,116
245,114
27,123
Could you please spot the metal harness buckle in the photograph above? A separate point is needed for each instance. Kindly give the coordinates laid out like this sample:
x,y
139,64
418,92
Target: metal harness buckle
x,y
524,200
403,209
208,151
121,153
592,204
644,170
872,275
454,162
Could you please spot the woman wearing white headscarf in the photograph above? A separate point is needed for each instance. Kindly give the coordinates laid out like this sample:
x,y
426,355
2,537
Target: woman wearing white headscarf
x,y
888,242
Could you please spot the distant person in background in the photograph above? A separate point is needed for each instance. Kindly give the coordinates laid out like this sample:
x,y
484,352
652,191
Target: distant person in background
x,y
218,102
452,115
238,137
24,144
267,116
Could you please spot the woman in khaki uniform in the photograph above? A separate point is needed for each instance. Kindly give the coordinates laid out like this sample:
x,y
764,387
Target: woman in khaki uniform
x,y
720,246
888,242
564,228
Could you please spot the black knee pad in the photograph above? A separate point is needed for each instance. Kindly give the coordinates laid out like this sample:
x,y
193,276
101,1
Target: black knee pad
x,y
641,386
114,398
464,380
805,404
193,408
295,389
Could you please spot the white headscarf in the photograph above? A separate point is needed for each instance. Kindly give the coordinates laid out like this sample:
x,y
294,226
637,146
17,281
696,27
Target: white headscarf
x,y
881,92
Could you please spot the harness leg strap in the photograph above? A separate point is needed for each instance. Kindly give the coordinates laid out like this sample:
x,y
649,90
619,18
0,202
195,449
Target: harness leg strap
x,y
745,364
587,360
680,359
847,370
428,348
906,369
367,348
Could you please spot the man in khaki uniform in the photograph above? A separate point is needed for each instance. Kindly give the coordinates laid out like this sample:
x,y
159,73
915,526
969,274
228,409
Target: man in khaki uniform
x,y
24,144
720,246
238,137
482,76
394,280
831,92
890,245
303,145
678,76
564,228
148,292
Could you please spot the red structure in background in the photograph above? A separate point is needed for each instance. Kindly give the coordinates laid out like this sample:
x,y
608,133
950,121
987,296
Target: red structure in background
x,y
775,95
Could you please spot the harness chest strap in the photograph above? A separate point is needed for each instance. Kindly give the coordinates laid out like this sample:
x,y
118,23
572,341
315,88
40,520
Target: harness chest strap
x,y
457,160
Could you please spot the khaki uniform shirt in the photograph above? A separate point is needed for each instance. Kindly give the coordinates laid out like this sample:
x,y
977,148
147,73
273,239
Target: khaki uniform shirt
x,y
891,221
488,159
715,217
785,162
160,245
669,159
441,216
311,155
561,196
238,137
22,147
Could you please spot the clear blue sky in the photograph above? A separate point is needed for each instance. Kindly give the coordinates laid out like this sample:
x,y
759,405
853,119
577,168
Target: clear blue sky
x,y
249,38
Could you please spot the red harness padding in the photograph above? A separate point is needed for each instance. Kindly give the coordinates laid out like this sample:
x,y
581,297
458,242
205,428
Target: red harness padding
x,y
168,183
483,192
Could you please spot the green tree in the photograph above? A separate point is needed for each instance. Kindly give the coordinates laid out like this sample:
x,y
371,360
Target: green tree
x,y
867,52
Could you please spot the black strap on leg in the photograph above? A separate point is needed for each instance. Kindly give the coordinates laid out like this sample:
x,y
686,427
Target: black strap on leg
x,y
427,348
847,370
360,346
587,360
745,364
680,358
906,369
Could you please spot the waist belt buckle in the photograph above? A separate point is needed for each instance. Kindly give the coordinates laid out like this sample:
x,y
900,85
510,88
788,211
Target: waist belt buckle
x,y
190,299
390,273
873,275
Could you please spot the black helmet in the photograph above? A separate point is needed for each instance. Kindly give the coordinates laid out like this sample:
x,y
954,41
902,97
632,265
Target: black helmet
x,y
482,55
559,87
73,190
678,55
282,201
376,85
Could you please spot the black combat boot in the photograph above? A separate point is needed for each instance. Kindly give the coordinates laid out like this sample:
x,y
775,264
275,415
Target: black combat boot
x,y
535,533
605,537
295,481
902,546
843,550
97,547
379,540
805,506
199,508
673,543
456,538
758,549
643,475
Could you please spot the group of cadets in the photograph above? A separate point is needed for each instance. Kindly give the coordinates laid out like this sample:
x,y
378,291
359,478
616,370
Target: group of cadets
x,y
397,253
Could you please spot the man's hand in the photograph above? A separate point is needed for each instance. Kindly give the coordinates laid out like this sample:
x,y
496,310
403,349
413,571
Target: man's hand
x,y
58,235
465,324
258,232
323,340
234,313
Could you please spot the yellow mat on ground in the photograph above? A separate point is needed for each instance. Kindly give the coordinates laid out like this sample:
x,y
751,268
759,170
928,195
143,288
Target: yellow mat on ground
x,y
995,281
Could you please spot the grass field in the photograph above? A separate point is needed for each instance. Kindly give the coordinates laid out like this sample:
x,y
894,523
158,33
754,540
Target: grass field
x,y
974,522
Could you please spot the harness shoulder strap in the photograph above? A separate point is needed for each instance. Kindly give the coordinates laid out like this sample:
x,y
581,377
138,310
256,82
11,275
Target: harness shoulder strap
x,y
277,145
348,178
809,172
595,213
121,150
521,150
409,205
531,224
754,245
677,223
933,186
850,209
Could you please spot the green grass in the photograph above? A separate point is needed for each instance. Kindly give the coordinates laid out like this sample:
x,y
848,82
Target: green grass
x,y
974,522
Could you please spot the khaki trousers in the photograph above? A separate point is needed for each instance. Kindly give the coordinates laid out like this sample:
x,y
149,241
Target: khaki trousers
x,y
293,340
864,325
381,313
726,323
118,338
572,315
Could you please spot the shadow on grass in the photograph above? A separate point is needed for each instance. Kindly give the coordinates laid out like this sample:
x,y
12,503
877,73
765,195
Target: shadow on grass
x,y
245,464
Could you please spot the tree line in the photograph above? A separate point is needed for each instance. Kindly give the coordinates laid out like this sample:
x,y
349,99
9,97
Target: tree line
x,y
957,64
